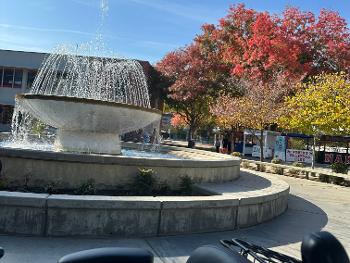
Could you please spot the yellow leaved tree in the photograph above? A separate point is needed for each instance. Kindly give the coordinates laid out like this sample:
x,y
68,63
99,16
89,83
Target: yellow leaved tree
x,y
321,106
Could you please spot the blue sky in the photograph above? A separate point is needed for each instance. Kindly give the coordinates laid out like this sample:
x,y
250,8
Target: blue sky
x,y
142,29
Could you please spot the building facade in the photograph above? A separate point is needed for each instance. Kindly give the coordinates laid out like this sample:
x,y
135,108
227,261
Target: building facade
x,y
17,73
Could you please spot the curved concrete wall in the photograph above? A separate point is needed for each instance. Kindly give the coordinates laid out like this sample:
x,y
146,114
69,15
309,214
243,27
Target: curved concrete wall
x,y
70,171
64,215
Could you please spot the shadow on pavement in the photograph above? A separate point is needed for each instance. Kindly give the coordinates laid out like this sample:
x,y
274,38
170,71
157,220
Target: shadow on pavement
x,y
301,218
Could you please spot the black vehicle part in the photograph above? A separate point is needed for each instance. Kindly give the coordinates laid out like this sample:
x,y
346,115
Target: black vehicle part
x,y
257,253
2,252
323,247
109,255
215,254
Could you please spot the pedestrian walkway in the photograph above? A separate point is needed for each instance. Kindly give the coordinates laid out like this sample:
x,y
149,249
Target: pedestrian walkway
x,y
198,145
313,206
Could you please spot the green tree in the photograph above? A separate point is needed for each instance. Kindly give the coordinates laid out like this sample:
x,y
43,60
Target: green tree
x,y
321,106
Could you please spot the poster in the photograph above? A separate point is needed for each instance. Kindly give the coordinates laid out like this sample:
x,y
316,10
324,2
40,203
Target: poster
x,y
302,156
256,152
280,148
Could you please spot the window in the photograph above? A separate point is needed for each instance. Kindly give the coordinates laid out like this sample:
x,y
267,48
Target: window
x,y
18,78
8,77
6,112
31,77
11,78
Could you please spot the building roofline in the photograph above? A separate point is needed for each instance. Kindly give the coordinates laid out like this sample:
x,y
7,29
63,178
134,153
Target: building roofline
x,y
48,53
23,51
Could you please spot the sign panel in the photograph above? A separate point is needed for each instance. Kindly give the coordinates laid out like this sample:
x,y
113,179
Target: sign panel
x,y
302,156
333,157
256,152
280,148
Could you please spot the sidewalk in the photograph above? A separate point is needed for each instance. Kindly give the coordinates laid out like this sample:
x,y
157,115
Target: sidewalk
x,y
198,145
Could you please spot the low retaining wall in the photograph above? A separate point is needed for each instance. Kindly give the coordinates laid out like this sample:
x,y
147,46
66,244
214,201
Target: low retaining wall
x,y
31,168
298,172
67,215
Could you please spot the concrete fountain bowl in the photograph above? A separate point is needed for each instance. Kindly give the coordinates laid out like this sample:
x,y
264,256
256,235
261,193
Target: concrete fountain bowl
x,y
88,125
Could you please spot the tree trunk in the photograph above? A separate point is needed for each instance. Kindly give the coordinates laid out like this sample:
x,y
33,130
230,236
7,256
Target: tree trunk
x,y
191,132
189,135
261,140
313,153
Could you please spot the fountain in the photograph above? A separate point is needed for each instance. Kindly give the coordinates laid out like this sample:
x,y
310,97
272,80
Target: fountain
x,y
91,101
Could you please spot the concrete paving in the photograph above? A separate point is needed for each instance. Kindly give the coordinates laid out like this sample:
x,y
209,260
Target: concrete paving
x,y
313,206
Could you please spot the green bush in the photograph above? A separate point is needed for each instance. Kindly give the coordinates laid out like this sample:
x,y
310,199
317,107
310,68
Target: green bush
x,y
293,171
186,185
3,184
87,188
163,189
338,180
245,165
339,168
298,164
276,161
324,178
144,183
50,188
278,170
260,167
236,154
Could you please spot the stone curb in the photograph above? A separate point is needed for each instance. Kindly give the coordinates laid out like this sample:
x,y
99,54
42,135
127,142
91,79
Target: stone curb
x,y
67,215
310,174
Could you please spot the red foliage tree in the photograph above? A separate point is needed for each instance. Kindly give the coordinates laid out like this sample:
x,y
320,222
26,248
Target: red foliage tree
x,y
256,45
178,121
189,75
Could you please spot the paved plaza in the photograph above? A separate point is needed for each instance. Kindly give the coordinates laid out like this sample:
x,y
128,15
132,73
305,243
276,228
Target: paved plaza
x,y
313,206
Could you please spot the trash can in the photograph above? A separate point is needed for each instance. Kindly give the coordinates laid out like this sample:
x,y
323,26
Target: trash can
x,y
191,144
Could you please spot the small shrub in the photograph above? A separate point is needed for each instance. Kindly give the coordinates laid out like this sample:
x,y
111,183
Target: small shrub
x,y
261,167
298,164
293,171
278,170
338,180
26,181
87,188
50,188
245,165
276,161
144,183
236,154
164,189
186,185
324,178
3,184
339,168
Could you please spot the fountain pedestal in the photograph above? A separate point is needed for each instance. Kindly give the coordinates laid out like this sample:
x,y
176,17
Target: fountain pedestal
x,y
88,142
